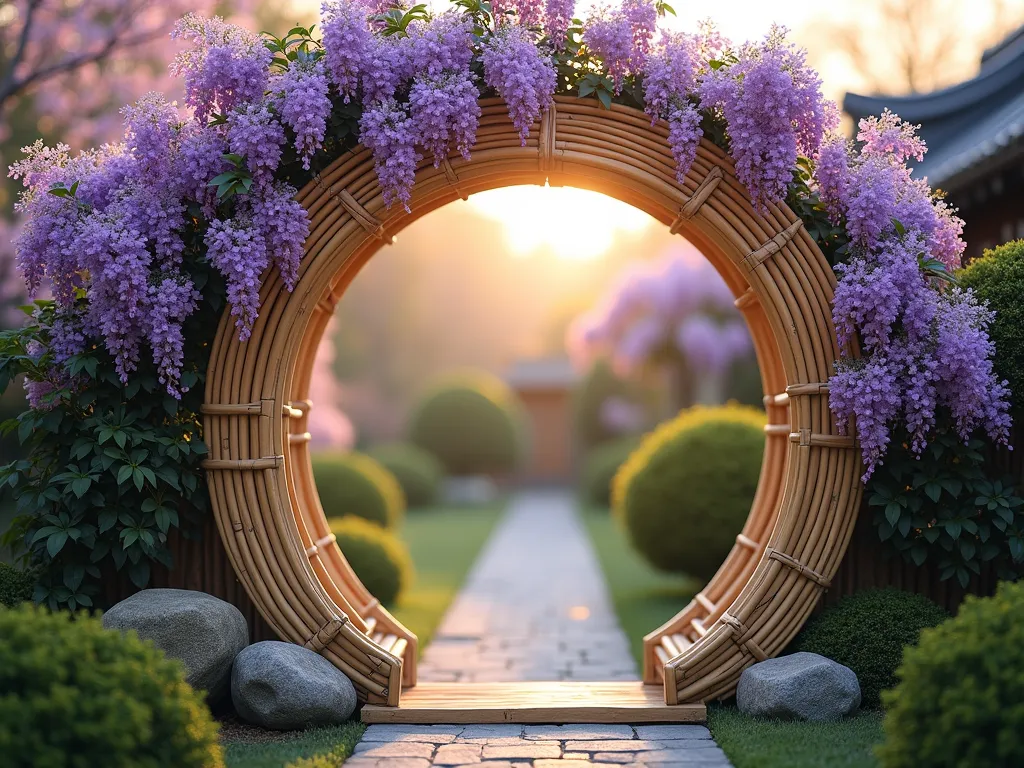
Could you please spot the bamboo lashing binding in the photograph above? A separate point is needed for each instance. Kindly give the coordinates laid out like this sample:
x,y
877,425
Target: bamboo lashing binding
x,y
325,634
796,565
546,140
453,179
700,196
773,246
806,438
740,632
344,198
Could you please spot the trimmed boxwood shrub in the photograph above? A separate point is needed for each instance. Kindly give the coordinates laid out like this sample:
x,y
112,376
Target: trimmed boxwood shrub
x,y
868,632
15,585
960,698
355,484
998,278
685,493
473,424
74,694
417,471
380,560
599,469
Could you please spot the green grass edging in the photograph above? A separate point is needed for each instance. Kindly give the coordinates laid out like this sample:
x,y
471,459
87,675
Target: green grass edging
x,y
315,748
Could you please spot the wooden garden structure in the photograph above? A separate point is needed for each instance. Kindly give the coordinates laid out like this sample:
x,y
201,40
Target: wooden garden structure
x,y
257,408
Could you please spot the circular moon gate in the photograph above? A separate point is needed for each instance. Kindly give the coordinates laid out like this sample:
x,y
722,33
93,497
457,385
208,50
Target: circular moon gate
x,y
256,412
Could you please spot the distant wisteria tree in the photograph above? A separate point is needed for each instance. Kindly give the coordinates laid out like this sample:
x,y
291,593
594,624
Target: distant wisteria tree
x,y
330,427
675,314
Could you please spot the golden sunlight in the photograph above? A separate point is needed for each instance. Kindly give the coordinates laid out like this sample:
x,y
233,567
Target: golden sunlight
x,y
573,223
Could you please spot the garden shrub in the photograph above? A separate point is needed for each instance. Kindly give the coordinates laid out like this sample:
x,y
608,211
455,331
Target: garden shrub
x,y
74,694
355,484
15,585
380,560
867,632
417,471
685,493
998,278
472,424
944,507
599,468
958,701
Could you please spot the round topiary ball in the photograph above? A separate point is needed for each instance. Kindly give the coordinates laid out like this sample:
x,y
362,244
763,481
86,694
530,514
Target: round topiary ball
x,y
473,425
355,484
961,688
379,559
599,469
685,493
998,278
75,694
867,632
15,585
417,471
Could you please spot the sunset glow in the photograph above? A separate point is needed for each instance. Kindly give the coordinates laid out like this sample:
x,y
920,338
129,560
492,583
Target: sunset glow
x,y
573,223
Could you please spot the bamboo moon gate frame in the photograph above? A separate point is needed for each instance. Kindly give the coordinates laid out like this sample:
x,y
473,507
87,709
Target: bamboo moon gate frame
x,y
256,412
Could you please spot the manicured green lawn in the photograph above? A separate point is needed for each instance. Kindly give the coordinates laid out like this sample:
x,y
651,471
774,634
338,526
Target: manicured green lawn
x,y
752,743
444,543
316,748
644,598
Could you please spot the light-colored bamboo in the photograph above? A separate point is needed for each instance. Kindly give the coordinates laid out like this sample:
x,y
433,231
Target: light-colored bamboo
x,y
261,483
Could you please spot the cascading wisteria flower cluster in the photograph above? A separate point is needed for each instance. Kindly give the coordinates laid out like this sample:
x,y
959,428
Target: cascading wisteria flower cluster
x,y
925,345
119,235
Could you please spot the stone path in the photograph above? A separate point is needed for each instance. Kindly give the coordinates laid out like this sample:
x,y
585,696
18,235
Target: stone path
x,y
534,607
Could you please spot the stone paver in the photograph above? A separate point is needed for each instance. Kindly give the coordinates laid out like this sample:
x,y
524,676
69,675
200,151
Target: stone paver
x,y
535,607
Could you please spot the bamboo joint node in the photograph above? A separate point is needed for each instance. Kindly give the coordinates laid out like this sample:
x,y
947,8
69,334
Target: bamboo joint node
x,y
327,632
791,562
772,247
739,632
700,196
261,408
746,300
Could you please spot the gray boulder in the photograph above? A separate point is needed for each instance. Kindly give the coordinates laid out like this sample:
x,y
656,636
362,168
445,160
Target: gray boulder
x,y
288,687
202,631
802,686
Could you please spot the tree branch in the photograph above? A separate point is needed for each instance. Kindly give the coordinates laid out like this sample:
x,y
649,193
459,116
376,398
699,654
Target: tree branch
x,y
7,86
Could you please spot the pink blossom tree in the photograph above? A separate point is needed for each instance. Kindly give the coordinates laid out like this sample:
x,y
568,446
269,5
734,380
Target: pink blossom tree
x,y
674,314
329,427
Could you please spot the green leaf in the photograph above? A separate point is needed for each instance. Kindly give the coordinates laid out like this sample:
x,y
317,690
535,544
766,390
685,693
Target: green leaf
x,y
933,490
80,486
124,473
605,98
56,543
892,512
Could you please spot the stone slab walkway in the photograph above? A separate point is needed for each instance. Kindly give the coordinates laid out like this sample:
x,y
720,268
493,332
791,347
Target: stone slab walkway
x,y
534,607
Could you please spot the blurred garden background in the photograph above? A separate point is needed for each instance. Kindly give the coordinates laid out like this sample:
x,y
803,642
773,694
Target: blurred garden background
x,y
538,336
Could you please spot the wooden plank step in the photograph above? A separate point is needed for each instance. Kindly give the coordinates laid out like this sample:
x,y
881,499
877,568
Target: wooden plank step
x,y
534,702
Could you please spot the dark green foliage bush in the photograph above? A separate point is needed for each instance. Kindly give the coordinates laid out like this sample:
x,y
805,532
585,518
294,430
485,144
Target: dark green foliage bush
x,y
867,632
474,426
959,698
15,585
74,694
944,508
380,560
417,471
354,484
686,492
998,278
106,470
593,391
599,469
